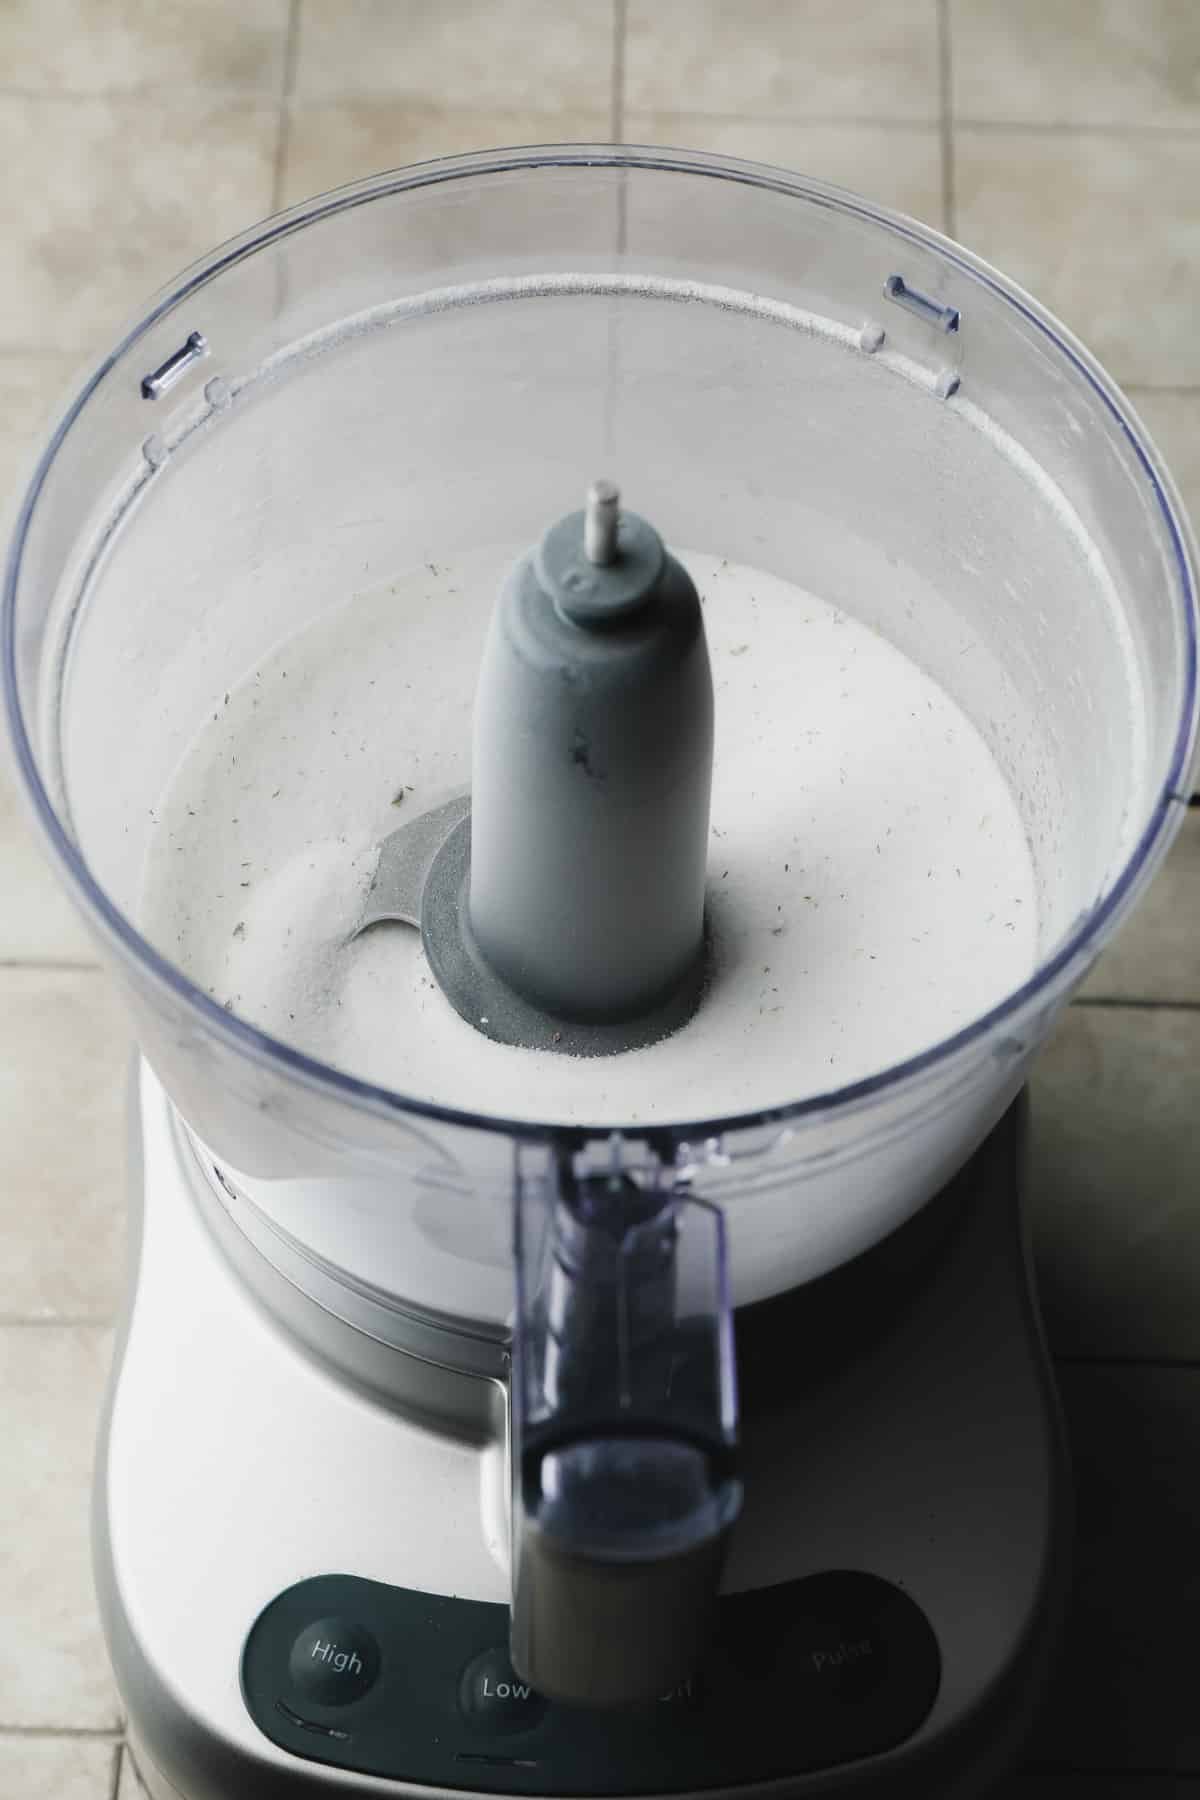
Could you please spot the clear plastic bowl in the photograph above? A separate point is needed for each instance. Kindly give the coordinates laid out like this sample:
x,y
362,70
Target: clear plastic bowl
x,y
434,357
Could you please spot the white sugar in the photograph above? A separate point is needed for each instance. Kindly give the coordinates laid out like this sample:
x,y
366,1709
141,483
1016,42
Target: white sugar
x,y
871,886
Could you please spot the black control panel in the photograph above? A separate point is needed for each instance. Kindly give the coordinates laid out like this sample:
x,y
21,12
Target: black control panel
x,y
419,1688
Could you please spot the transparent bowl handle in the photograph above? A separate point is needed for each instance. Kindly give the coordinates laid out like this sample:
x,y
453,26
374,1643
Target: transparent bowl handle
x,y
624,1430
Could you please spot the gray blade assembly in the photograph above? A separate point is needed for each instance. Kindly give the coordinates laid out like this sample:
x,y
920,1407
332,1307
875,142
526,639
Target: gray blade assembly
x,y
405,858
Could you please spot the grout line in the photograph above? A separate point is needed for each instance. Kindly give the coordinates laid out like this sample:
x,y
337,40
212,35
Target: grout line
x,y
432,104
291,50
263,97
1064,128
149,90
38,1321
138,1784
31,350
291,55
852,121
617,96
82,355
114,1786
946,121
1120,1003
49,965
93,1733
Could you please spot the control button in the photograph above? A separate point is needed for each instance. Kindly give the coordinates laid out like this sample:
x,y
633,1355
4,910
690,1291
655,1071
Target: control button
x,y
853,1637
853,1663
493,1697
852,1653
334,1662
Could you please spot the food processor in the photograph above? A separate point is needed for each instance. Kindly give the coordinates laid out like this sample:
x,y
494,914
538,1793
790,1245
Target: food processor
x,y
598,702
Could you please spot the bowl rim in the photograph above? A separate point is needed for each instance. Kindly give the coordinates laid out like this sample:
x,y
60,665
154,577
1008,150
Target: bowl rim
x,y
1040,993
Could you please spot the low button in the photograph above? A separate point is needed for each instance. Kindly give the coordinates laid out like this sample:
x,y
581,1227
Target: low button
x,y
334,1662
492,1696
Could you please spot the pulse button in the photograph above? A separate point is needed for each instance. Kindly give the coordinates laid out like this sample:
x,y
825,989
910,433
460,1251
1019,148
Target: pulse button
x,y
334,1662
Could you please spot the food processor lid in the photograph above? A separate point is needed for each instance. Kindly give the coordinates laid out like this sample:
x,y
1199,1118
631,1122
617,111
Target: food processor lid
x,y
1048,980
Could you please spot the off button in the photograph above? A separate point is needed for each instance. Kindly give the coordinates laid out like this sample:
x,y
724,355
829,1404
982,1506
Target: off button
x,y
334,1662
492,1696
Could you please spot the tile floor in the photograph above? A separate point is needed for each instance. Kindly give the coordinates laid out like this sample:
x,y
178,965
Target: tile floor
x,y
1061,139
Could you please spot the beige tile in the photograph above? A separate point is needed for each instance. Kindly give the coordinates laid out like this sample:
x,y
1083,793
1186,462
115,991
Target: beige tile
x,y
98,46
1126,1696
53,1668
64,1064
56,1768
31,386
1157,955
1113,1182
101,201
1173,421
774,59
901,166
1077,62
1103,228
37,921
541,55
330,143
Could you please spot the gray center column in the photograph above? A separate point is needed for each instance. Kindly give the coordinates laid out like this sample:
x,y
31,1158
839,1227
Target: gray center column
x,y
579,907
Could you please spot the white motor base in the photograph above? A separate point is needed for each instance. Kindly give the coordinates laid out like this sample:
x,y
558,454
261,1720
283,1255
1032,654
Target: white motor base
x,y
925,1450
